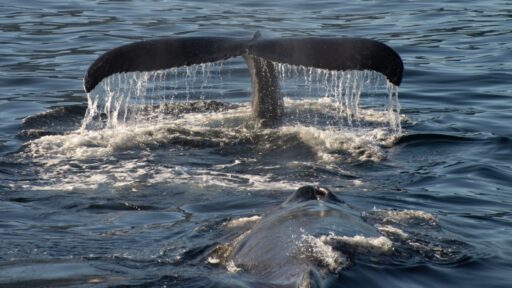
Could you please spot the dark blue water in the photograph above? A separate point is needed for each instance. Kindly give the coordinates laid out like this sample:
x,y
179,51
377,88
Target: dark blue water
x,y
150,205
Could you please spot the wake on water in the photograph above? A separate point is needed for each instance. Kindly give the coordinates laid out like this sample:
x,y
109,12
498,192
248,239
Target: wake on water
x,y
334,116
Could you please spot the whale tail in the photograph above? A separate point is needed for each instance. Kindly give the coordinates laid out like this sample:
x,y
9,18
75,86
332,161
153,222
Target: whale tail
x,y
324,53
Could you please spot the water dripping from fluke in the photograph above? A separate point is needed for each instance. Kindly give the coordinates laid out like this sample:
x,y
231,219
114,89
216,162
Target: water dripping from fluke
x,y
146,97
345,99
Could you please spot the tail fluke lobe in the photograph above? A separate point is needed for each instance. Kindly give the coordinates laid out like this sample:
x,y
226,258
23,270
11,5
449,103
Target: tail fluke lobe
x,y
333,54
161,54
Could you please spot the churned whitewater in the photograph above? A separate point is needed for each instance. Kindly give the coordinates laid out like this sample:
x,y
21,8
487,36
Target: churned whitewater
x,y
164,178
134,118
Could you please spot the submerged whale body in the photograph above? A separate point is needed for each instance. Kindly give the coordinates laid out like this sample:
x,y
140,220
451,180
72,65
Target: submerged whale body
x,y
283,248
333,54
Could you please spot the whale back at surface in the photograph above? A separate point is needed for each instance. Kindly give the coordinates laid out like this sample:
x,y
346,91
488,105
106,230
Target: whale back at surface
x,y
273,250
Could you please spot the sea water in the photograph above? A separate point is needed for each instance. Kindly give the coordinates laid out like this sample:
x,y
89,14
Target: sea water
x,y
137,182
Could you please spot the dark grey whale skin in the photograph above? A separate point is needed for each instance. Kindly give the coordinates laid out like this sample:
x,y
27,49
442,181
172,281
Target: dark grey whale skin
x,y
259,53
269,251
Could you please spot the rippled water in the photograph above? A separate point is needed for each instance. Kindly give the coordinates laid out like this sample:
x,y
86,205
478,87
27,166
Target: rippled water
x,y
158,205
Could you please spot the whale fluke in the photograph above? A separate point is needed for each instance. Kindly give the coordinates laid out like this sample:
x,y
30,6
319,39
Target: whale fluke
x,y
259,54
152,55
333,54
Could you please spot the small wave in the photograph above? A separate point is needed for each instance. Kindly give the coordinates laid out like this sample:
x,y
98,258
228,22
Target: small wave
x,y
134,175
57,117
56,121
118,206
417,236
405,217
324,254
52,274
331,251
390,230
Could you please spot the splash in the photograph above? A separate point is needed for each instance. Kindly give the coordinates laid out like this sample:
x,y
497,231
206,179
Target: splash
x,y
131,118
143,97
316,248
127,156
345,89
140,98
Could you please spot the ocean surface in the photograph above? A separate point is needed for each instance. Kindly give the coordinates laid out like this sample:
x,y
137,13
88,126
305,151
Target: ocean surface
x,y
142,185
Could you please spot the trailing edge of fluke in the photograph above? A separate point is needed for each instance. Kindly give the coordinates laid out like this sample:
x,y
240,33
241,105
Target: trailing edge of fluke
x,y
259,53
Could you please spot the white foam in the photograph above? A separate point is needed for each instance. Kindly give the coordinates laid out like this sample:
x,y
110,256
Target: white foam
x,y
402,216
316,248
221,259
231,267
242,221
387,229
324,248
213,260
59,155
205,178
333,145
116,176
357,182
361,244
